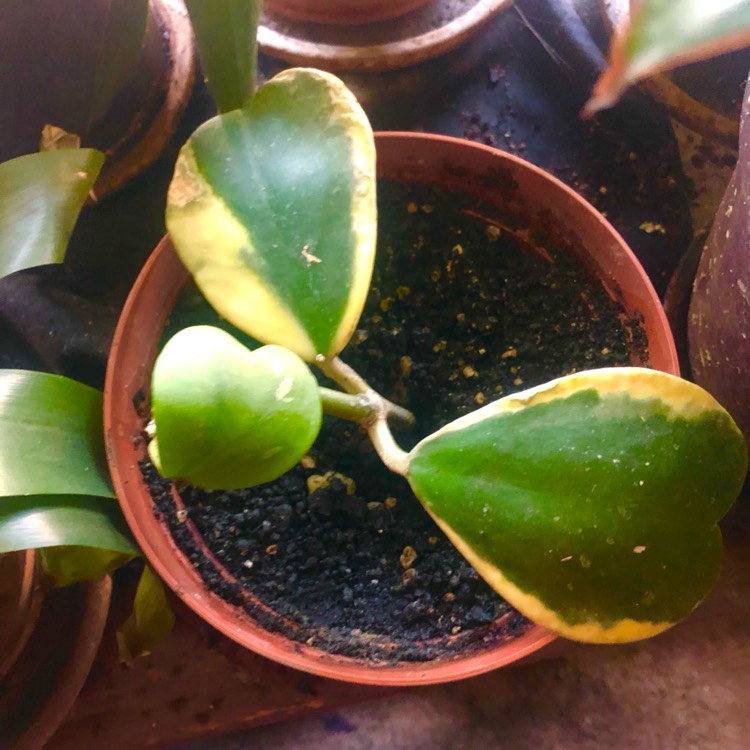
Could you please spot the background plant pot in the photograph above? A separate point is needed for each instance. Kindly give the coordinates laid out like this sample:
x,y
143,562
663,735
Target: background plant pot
x,y
58,50
20,600
342,12
38,692
431,30
538,202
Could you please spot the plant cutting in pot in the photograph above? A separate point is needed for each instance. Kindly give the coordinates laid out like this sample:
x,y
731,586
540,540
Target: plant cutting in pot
x,y
587,502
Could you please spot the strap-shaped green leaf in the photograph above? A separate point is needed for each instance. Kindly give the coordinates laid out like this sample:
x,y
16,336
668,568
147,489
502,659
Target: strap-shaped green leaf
x,y
589,503
41,196
272,209
57,520
51,437
225,32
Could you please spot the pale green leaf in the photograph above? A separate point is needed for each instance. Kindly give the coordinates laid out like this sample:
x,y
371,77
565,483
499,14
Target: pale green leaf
x,y
227,417
67,565
41,196
151,621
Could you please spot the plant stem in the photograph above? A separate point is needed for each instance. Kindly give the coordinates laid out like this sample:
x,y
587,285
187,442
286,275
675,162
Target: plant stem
x,y
356,407
361,403
391,454
353,383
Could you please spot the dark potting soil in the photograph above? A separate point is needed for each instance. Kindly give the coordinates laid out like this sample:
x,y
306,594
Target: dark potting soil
x,y
461,312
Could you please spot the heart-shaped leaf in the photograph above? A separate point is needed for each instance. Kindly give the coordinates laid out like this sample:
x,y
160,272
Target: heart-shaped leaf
x,y
272,209
227,417
589,503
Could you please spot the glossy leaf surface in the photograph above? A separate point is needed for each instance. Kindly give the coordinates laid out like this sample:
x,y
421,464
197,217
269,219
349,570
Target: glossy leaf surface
x,y
56,520
225,32
41,196
589,503
663,34
227,417
151,620
51,437
272,209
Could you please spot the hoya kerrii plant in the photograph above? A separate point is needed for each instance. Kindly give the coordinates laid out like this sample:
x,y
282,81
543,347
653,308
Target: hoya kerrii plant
x,y
55,493
590,503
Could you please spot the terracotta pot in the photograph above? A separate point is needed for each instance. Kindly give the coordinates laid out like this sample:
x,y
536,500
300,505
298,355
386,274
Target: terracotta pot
x,y
342,12
437,29
41,688
135,124
526,193
20,600
169,72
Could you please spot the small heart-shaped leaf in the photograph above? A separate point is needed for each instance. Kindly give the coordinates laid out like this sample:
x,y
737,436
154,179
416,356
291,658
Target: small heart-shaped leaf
x,y
227,417
272,209
589,503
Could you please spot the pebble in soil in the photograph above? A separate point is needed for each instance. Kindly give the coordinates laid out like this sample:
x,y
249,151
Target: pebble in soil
x,y
460,312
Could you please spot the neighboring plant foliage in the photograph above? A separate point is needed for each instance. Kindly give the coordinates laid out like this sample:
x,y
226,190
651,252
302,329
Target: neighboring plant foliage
x,y
41,196
589,503
55,493
225,32
662,34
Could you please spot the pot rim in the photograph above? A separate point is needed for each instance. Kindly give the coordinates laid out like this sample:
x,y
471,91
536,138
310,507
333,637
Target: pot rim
x,y
343,12
175,568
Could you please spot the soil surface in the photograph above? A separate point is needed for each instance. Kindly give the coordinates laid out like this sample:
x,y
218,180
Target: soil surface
x,y
460,312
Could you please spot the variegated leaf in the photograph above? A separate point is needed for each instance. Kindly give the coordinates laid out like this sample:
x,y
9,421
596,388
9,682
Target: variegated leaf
x,y
272,209
589,503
